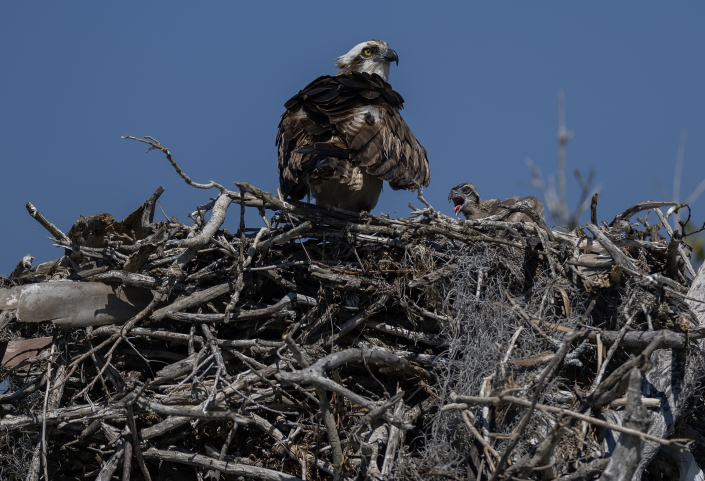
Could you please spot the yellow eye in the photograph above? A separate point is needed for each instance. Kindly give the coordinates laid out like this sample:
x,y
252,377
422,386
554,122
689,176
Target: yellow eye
x,y
367,52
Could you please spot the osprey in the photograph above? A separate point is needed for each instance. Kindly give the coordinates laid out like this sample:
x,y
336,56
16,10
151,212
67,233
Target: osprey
x,y
467,201
342,136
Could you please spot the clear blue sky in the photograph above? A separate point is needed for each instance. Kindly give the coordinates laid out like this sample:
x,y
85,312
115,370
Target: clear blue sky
x,y
209,80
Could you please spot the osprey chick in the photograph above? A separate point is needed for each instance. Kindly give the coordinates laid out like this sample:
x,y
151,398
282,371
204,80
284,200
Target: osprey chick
x,y
467,201
342,136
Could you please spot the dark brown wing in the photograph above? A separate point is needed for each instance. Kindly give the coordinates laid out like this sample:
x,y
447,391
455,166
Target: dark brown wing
x,y
393,153
335,123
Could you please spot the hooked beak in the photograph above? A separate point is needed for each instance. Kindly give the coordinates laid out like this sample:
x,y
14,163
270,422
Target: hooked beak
x,y
390,56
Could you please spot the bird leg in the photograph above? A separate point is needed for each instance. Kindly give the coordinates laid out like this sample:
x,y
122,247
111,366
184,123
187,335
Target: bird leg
x,y
424,201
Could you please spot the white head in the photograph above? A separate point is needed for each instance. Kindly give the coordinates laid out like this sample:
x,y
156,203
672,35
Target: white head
x,y
373,56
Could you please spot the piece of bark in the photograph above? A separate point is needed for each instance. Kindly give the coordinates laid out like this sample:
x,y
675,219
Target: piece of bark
x,y
74,304
672,255
697,292
137,259
12,353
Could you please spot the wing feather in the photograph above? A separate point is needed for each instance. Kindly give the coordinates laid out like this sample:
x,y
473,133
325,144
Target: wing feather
x,y
337,123
364,135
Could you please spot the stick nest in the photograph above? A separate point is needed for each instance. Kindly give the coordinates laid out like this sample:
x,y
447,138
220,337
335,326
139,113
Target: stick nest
x,y
332,344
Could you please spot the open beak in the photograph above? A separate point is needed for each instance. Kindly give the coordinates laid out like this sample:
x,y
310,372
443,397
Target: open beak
x,y
390,56
458,201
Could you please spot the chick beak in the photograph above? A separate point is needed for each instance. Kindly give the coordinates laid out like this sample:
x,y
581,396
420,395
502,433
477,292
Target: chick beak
x,y
458,203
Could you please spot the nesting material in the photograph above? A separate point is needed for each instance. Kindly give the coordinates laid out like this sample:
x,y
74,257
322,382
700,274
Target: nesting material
x,y
327,344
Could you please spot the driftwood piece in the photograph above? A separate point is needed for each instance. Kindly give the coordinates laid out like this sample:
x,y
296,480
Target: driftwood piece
x,y
53,230
616,254
147,217
464,402
193,459
635,209
627,454
681,251
641,339
74,304
673,378
283,304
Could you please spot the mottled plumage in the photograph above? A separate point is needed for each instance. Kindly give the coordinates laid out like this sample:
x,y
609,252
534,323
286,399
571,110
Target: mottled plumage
x,y
467,201
342,136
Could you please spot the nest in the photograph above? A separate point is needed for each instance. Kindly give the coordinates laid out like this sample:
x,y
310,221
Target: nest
x,y
329,344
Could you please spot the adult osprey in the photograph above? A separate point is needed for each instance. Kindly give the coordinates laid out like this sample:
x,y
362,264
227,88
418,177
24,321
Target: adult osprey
x,y
342,136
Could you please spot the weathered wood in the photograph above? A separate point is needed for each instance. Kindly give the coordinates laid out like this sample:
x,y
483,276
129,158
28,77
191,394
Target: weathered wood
x,y
635,209
627,454
226,467
74,304
14,353
674,376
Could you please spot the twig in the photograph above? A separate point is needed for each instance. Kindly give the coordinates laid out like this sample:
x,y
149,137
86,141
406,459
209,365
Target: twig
x,y
295,452
326,411
480,277
463,402
613,250
315,377
155,144
193,459
679,168
44,416
563,137
602,394
465,414
534,400
359,319
395,438
610,353
136,442
681,251
117,338
53,230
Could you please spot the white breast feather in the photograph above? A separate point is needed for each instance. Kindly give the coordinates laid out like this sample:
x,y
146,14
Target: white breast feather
x,y
356,179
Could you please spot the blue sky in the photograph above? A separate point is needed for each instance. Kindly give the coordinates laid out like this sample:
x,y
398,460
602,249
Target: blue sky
x,y
209,80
